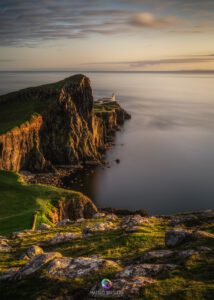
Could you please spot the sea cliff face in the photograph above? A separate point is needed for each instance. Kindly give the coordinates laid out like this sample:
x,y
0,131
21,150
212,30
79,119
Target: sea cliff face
x,y
63,130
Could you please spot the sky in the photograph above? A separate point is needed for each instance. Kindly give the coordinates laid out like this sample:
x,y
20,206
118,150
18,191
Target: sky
x,y
97,35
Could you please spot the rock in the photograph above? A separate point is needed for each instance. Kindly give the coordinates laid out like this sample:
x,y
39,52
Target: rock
x,y
176,237
22,234
44,226
199,234
105,226
36,263
4,246
147,270
125,212
203,249
134,220
66,131
99,215
121,288
157,254
80,220
190,219
64,222
187,253
75,208
131,229
67,268
111,217
208,214
33,251
8,274
61,238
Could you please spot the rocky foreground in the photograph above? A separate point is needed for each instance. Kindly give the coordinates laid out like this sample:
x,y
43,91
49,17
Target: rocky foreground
x,y
162,257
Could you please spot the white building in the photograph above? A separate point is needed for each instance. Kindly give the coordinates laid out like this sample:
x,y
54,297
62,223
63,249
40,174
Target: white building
x,y
106,100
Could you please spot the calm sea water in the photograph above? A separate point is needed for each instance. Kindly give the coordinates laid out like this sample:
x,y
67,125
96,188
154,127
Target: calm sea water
x,y
166,149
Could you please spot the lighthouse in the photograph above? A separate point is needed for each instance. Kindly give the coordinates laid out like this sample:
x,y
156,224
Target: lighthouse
x,y
113,97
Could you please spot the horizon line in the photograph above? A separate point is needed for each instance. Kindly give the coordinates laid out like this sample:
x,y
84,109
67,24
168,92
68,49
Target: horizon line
x,y
109,71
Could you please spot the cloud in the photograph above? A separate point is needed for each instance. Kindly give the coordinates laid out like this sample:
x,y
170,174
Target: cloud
x,y
24,22
30,22
165,61
146,19
6,60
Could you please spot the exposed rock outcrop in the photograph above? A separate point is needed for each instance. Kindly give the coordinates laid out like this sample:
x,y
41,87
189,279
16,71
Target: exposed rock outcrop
x,y
61,129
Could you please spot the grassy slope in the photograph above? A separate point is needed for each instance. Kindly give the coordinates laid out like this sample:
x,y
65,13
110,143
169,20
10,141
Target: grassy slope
x,y
18,107
18,202
192,281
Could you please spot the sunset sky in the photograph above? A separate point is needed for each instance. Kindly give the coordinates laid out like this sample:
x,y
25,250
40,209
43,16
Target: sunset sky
x,y
137,35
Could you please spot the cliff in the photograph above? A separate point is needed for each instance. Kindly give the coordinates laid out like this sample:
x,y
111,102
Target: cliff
x,y
54,124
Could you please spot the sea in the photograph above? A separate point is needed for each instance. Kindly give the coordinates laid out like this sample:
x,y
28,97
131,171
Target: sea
x,y
166,150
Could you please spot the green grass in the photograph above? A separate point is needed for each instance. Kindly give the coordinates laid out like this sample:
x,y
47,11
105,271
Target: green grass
x,y
193,280
18,202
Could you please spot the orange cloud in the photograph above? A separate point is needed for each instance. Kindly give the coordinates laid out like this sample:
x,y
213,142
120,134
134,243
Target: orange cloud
x,y
146,19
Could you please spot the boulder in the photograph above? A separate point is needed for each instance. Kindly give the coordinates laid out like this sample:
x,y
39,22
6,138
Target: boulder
x,y
33,251
36,263
61,238
22,234
176,237
4,246
105,226
147,270
157,254
64,222
122,288
80,220
111,217
44,226
187,253
99,215
134,220
67,268
8,274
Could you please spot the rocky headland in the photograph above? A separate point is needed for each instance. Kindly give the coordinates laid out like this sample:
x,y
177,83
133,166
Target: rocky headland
x,y
55,125
63,245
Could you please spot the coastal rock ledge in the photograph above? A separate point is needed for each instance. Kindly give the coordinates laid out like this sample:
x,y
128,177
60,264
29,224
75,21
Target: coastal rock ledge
x,y
55,124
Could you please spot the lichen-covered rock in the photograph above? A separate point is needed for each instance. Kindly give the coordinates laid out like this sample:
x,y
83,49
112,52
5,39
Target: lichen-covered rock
x,y
184,219
104,226
67,268
121,288
62,238
133,220
98,215
22,234
8,274
44,226
148,270
176,237
157,254
33,251
4,246
187,253
36,263
200,234
111,217
64,222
